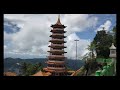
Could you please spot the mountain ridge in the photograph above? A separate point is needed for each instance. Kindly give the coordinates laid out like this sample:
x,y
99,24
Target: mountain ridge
x,y
11,64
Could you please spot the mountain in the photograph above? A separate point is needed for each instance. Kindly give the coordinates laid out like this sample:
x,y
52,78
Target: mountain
x,y
13,64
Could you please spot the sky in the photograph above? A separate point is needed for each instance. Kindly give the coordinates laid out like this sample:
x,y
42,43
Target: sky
x,y
27,35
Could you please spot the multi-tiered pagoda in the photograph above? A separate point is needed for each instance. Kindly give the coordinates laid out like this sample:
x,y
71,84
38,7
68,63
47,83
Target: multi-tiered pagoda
x,y
56,59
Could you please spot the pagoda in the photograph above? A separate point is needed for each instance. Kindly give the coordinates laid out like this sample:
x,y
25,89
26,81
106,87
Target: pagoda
x,y
56,59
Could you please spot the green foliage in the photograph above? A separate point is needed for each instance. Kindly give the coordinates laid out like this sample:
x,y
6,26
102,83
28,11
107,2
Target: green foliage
x,y
91,48
102,43
108,70
91,66
30,69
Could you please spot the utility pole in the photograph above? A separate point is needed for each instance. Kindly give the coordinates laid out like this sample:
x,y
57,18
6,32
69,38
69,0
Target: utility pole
x,y
76,48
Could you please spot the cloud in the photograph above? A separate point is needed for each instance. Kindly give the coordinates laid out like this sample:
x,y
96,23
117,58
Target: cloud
x,y
32,39
82,44
79,22
106,25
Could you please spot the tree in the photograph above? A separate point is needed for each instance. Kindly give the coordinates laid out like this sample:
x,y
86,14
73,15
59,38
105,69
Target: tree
x,y
114,35
102,42
24,67
91,48
30,69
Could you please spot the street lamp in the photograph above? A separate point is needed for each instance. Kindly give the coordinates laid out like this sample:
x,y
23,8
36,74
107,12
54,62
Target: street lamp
x,y
76,48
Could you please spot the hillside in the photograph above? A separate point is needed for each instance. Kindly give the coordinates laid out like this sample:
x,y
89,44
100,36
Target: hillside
x,y
12,64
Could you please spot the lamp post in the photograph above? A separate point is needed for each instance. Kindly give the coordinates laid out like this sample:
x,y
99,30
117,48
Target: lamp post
x,y
76,48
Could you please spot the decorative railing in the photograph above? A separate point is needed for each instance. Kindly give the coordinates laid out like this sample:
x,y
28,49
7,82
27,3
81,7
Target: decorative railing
x,y
56,57
58,29
56,50
57,39
57,34
102,60
53,61
57,68
58,45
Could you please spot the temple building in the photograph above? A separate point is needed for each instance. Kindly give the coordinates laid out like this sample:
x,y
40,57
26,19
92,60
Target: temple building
x,y
56,59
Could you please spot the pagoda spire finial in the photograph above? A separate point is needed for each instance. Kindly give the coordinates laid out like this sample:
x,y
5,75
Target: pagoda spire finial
x,y
58,21
59,16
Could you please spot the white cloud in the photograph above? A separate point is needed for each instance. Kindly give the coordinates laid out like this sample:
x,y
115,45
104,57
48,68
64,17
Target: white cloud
x,y
106,25
79,22
7,37
71,46
33,37
5,47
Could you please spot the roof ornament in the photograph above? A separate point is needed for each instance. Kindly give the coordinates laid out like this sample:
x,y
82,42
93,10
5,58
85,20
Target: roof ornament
x,y
58,21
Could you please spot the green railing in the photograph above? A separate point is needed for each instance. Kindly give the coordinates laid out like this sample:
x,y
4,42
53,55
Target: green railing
x,y
108,70
101,60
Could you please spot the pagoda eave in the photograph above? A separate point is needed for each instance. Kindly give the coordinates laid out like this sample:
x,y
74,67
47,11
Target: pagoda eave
x,y
57,41
56,51
59,36
57,31
55,46
58,26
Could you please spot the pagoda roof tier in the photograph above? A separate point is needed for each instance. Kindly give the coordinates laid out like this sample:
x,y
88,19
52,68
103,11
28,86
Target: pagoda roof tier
x,y
58,26
58,35
57,51
56,57
58,41
57,46
55,62
58,31
54,70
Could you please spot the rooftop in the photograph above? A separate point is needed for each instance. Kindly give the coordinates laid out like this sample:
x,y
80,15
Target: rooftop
x,y
10,74
40,73
112,47
58,21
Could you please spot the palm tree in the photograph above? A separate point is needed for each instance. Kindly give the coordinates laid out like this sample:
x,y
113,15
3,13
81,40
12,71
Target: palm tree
x,y
91,48
88,64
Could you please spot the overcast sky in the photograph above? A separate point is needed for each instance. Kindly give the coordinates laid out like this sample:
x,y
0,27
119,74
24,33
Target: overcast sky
x,y
27,35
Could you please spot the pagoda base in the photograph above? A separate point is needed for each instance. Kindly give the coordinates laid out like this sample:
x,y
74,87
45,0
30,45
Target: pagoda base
x,y
56,73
